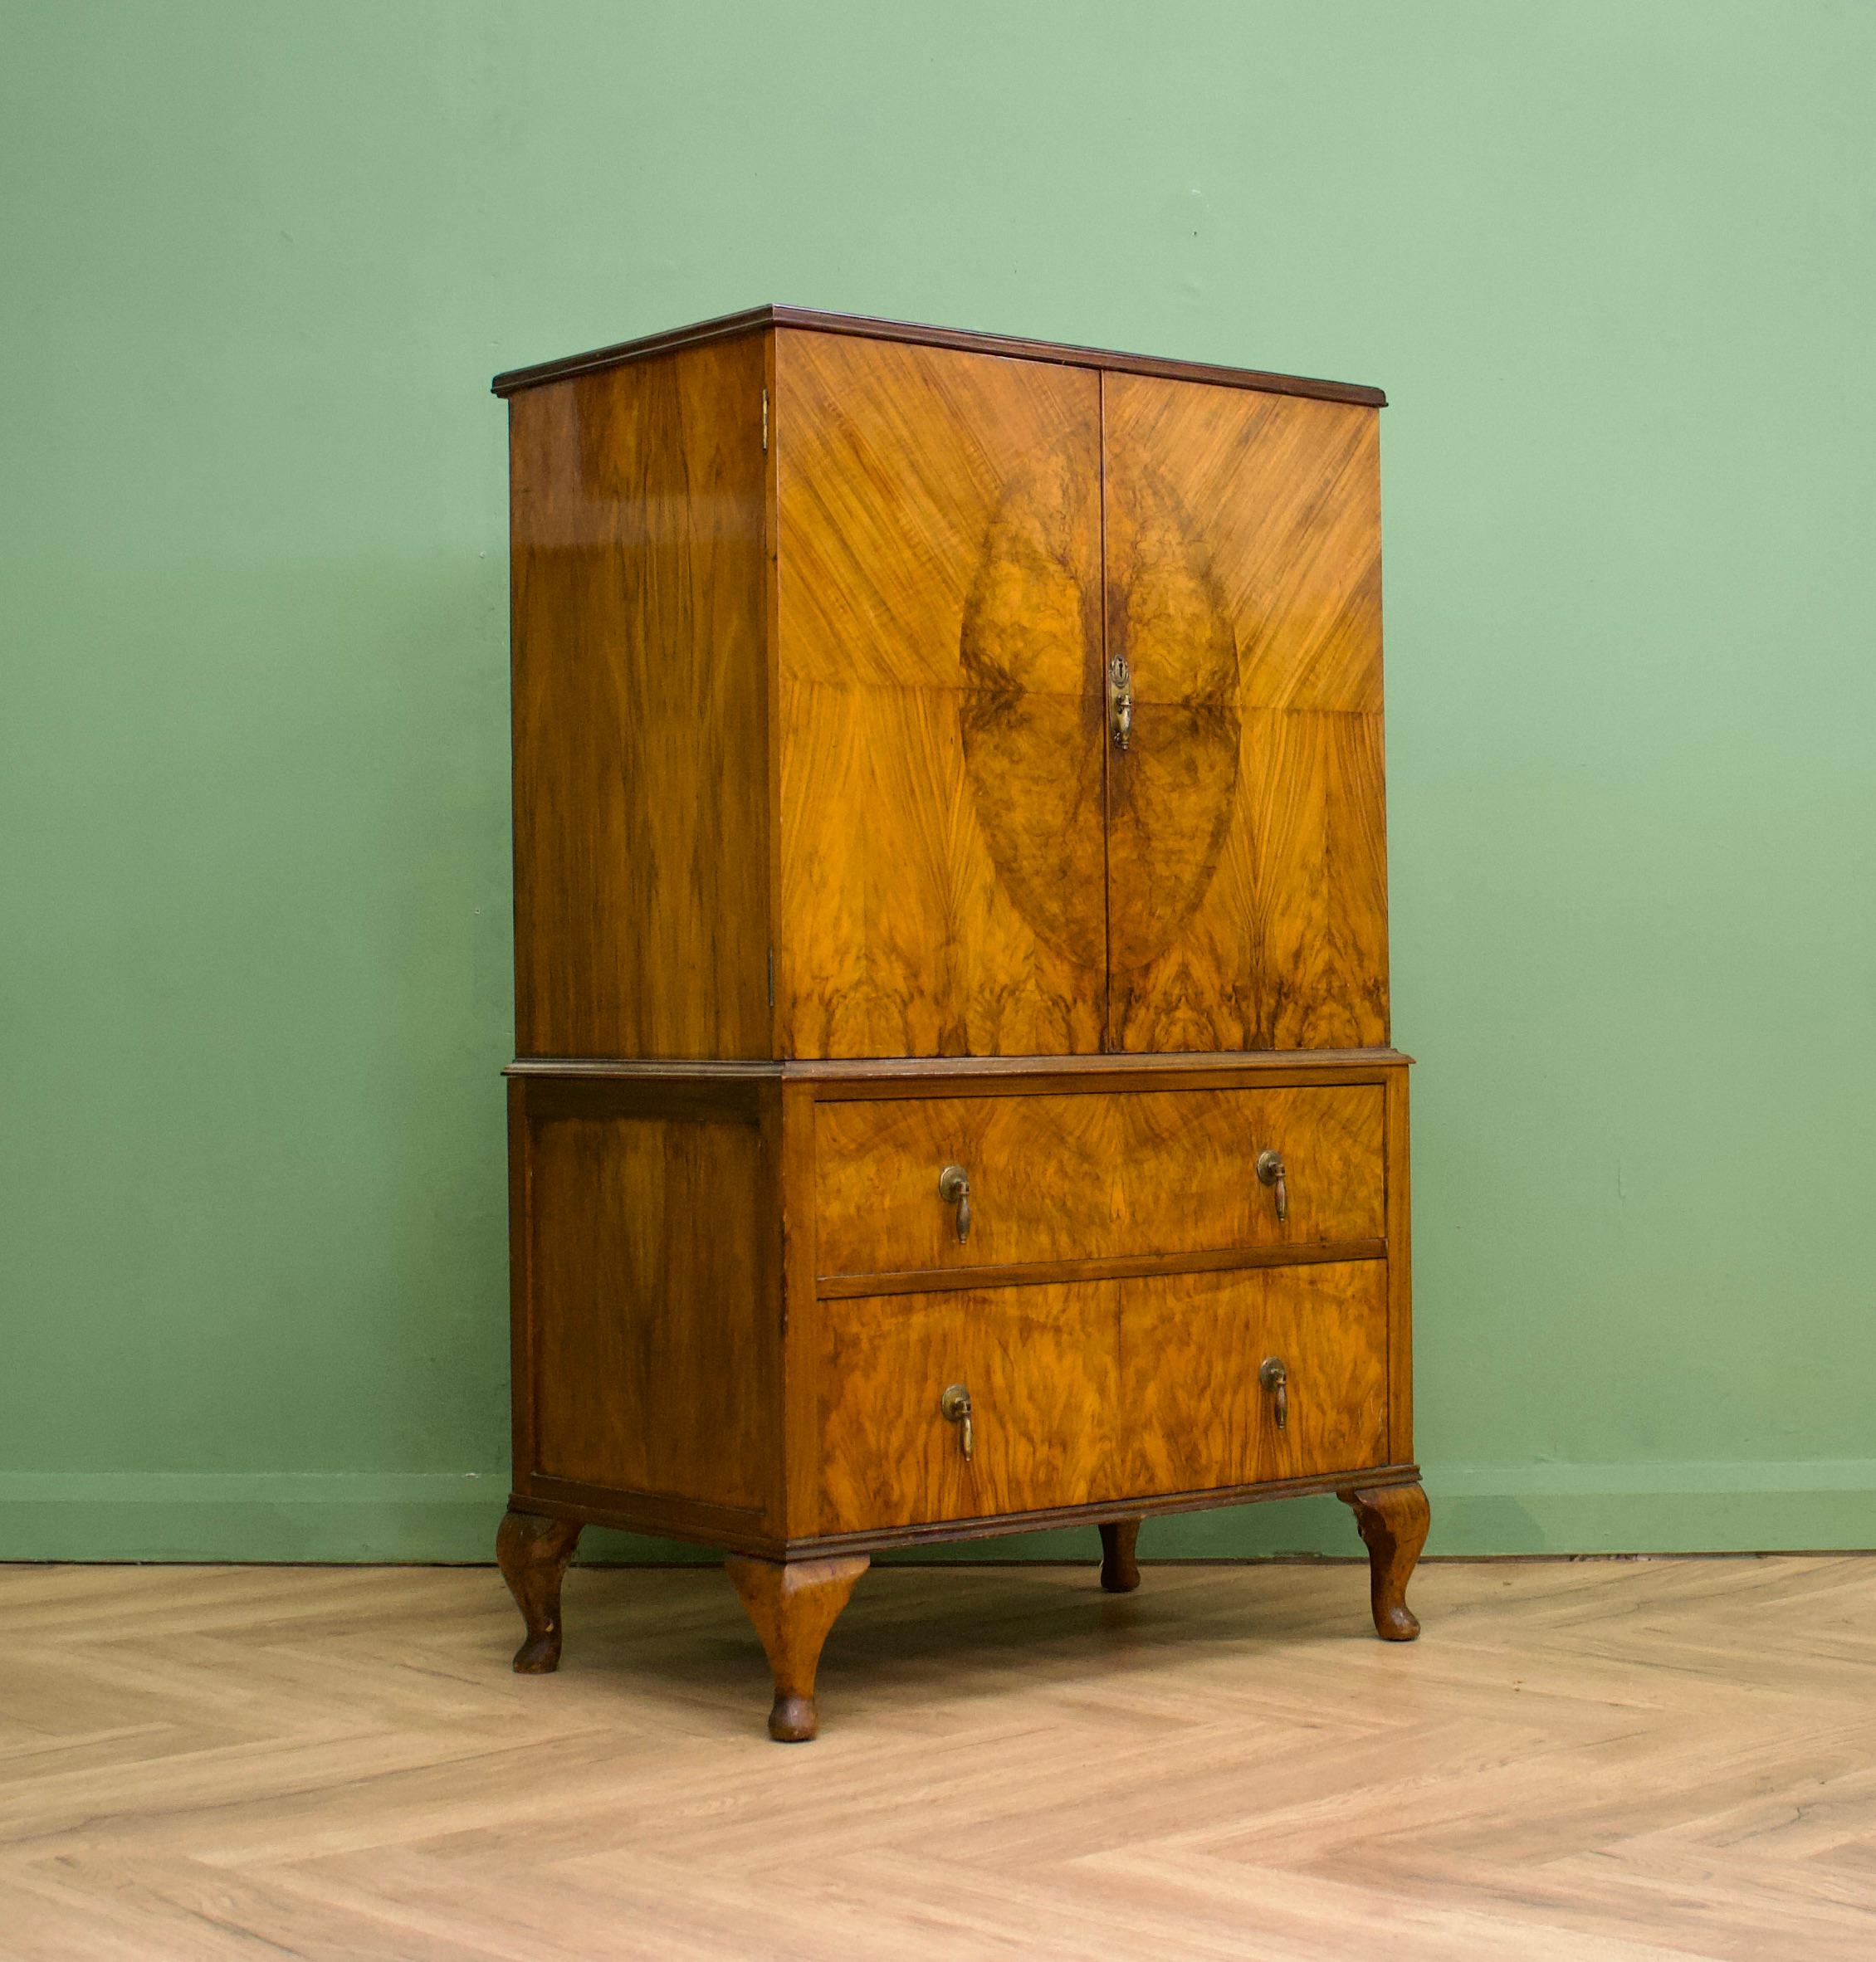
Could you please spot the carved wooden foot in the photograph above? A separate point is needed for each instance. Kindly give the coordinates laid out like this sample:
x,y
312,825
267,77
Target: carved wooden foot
x,y
532,1553
793,1604
1120,1572
1392,1520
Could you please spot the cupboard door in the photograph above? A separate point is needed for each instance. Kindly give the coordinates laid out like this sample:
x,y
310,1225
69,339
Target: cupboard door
x,y
942,891
1039,1366
1192,1349
1247,866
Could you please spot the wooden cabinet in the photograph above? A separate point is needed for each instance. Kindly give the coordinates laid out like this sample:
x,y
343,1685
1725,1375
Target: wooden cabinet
x,y
953,1089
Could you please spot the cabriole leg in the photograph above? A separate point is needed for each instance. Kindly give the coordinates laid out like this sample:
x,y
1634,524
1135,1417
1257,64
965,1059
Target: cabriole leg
x,y
1393,1521
532,1553
793,1604
1120,1572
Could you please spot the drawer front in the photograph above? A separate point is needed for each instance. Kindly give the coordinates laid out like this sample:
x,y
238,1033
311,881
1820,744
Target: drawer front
x,y
1093,1175
1194,1412
1040,1364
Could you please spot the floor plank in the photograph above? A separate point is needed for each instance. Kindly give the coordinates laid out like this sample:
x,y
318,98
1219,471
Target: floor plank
x,y
1601,1761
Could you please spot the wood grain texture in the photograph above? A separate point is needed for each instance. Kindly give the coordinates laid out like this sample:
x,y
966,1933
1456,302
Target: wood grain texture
x,y
1596,1761
793,1606
1041,1365
1394,1526
1091,1176
1247,867
758,319
940,731
1191,1346
653,1310
532,1553
642,838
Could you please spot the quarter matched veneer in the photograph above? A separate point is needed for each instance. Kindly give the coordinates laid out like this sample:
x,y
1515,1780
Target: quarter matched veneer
x,y
953,1092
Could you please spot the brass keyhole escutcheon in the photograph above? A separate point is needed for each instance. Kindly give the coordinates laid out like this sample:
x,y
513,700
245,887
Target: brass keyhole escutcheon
x,y
955,1407
1275,1380
954,1189
1120,700
1270,1172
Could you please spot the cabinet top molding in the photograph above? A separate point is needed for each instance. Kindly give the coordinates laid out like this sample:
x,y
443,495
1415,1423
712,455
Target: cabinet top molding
x,y
757,320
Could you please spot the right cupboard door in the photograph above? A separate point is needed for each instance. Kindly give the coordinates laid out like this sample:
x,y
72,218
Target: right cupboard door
x,y
1247,880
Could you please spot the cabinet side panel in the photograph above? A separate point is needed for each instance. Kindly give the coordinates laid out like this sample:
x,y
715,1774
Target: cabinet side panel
x,y
641,700
652,1302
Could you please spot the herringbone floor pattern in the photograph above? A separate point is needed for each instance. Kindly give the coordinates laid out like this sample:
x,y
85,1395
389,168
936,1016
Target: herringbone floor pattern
x,y
1614,1761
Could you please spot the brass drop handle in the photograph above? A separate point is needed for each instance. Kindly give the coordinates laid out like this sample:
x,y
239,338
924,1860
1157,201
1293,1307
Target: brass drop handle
x,y
954,1189
955,1407
1120,700
1270,1170
1276,1378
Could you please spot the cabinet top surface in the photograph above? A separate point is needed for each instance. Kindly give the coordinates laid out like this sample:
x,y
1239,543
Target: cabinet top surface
x,y
760,318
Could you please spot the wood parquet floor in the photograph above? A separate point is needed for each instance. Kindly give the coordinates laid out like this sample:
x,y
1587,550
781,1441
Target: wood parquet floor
x,y
1611,1760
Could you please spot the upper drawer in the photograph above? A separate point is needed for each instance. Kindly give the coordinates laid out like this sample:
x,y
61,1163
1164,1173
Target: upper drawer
x,y
1093,1175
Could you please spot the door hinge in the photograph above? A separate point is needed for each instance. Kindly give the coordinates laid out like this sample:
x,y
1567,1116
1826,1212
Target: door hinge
x,y
765,422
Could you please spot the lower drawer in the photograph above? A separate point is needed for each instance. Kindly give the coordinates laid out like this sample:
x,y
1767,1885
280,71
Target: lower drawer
x,y
1040,1364
1198,1410
1090,1392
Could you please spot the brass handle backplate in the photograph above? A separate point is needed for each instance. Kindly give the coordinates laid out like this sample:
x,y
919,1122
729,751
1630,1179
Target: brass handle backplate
x,y
955,1407
1120,700
954,1189
1275,1378
1270,1170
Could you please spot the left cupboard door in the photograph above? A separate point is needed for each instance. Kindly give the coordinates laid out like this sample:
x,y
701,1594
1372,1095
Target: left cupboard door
x,y
940,709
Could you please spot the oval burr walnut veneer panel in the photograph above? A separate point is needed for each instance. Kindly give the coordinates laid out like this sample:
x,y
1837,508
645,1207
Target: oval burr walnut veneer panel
x,y
1094,1175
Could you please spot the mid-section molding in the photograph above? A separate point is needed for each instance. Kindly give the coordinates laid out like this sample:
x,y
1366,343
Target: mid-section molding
x,y
922,1069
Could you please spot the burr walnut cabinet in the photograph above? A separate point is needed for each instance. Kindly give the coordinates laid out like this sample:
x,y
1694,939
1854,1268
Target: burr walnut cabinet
x,y
952,1090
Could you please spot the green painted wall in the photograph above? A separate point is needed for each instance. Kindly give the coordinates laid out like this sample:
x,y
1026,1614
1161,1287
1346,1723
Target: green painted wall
x,y
1615,264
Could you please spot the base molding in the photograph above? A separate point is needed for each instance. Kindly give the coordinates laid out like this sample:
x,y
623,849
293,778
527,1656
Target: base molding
x,y
1479,1510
